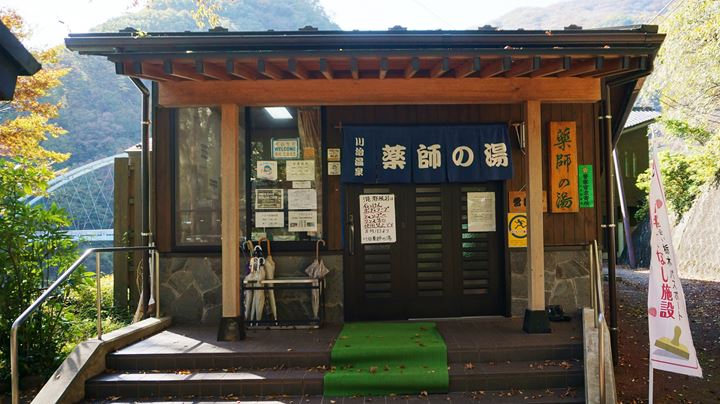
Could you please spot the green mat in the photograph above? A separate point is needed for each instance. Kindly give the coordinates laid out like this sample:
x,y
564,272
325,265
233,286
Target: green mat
x,y
375,359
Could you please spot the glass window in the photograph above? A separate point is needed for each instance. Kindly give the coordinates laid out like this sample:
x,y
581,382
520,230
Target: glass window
x,y
197,187
285,174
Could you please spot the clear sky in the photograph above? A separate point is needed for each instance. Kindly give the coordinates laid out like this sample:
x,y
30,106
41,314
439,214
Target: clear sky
x,y
52,20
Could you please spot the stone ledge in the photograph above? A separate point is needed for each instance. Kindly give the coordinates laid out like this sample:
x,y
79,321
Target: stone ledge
x,y
590,354
87,360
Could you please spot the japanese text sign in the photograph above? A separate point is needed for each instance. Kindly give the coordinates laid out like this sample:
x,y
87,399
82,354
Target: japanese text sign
x,y
425,154
671,344
518,202
563,167
285,149
586,193
377,221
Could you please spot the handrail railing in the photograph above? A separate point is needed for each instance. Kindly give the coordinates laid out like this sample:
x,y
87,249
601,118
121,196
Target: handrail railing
x,y
598,305
14,372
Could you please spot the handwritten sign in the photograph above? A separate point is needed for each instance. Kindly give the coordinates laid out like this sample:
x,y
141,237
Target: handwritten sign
x,y
300,170
518,201
284,149
377,218
480,211
269,199
586,193
563,165
517,229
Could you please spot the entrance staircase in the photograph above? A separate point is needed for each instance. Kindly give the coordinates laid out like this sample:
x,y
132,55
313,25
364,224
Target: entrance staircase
x,y
491,365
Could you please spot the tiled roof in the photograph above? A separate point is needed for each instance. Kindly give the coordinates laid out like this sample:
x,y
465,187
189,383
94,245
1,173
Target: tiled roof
x,y
639,116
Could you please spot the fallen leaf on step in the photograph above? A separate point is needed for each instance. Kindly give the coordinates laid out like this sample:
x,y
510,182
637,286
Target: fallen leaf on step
x,y
373,369
424,394
469,365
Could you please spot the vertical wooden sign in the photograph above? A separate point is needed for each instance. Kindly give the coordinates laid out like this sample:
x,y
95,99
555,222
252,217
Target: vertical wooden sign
x,y
562,141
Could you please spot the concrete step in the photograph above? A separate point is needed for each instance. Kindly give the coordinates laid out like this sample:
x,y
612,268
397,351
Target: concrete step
x,y
573,350
518,375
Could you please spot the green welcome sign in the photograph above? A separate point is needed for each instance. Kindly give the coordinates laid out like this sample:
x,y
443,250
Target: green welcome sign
x,y
585,186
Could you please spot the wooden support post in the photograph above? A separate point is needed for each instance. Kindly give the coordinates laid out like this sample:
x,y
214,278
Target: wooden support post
x,y
536,319
121,279
232,324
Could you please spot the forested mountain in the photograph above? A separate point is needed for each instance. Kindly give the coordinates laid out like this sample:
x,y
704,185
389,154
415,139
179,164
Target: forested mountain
x,y
587,14
102,110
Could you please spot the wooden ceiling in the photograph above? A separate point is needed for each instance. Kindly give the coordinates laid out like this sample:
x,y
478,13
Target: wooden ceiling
x,y
364,67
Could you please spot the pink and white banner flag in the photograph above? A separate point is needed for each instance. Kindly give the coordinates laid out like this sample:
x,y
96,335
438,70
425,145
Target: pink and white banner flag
x,y
671,344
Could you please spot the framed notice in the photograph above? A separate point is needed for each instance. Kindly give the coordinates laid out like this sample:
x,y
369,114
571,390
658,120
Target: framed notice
x,y
269,219
517,229
269,199
302,199
563,167
334,168
300,170
300,220
267,170
481,211
518,201
285,149
333,154
377,219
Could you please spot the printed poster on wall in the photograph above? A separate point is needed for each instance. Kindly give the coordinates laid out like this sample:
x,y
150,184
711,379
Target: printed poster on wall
x,y
563,166
300,170
302,199
334,168
517,229
377,218
481,211
269,219
285,149
302,220
333,154
671,344
269,199
267,170
518,201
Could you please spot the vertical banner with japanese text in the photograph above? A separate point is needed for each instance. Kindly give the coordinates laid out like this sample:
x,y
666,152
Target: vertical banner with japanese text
x,y
563,167
671,344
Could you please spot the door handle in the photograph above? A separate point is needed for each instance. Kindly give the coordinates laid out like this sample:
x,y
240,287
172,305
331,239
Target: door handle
x,y
351,234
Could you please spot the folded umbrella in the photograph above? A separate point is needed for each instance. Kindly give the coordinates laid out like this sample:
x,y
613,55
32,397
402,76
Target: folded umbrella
x,y
259,295
250,276
317,270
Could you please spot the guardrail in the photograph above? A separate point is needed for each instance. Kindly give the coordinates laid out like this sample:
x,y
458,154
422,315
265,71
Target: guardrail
x,y
15,376
598,305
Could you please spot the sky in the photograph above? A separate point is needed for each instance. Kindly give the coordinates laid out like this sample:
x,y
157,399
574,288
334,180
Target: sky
x,y
51,20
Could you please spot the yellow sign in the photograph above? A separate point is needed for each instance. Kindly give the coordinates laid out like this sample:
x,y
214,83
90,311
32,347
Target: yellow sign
x,y
517,229
518,202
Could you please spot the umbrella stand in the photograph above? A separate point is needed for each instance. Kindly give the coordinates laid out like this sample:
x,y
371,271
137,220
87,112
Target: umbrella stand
x,y
270,274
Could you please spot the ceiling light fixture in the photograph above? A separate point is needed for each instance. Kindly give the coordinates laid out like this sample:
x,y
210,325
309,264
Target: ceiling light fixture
x,y
278,112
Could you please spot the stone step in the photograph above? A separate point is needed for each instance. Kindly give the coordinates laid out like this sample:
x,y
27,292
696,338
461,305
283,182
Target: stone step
x,y
516,375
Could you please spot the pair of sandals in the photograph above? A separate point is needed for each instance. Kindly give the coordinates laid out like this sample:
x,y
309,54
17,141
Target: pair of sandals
x,y
555,313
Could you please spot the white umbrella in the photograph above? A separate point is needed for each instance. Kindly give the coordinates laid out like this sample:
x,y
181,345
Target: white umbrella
x,y
251,278
270,274
259,295
317,270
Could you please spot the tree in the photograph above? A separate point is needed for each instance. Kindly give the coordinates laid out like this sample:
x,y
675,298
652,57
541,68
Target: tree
x,y
26,120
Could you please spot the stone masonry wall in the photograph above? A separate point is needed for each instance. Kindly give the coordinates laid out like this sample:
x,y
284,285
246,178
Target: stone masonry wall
x,y
191,292
567,279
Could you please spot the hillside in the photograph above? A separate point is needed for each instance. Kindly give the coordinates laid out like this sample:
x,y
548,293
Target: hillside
x,y
587,14
102,110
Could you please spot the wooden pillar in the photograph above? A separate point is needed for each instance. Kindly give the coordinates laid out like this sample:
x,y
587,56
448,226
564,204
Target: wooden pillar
x,y
536,319
231,325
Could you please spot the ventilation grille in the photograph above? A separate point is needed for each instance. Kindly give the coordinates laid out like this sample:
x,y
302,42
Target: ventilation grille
x,y
475,252
428,239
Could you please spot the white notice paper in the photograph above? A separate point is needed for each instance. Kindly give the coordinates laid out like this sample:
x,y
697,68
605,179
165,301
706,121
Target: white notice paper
x,y
302,220
301,184
334,168
300,170
267,170
481,211
302,199
377,218
269,219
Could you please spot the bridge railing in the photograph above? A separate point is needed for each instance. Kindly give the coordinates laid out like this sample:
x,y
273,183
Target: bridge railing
x,y
14,371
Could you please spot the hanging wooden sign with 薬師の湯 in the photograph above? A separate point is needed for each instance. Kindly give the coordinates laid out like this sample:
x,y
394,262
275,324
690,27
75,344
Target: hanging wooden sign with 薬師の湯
x,y
562,164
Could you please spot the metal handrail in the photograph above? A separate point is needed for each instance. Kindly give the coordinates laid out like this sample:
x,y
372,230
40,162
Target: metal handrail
x,y
598,311
15,376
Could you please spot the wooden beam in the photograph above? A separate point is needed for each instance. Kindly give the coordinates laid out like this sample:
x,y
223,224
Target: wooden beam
x,y
268,70
412,68
496,67
298,70
535,243
523,67
384,67
154,72
378,92
181,71
240,71
469,67
583,67
230,133
354,70
440,68
326,69
211,70
552,66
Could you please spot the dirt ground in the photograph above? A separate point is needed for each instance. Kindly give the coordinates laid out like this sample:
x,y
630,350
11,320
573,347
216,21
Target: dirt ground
x,y
631,373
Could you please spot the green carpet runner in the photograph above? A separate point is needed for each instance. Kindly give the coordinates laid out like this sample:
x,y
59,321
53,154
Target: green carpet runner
x,y
375,359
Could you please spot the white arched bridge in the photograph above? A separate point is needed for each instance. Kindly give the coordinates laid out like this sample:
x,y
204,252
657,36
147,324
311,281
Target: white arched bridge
x,y
86,193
